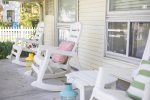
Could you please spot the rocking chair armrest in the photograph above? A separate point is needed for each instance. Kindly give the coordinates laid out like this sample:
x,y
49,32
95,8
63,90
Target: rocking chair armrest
x,y
45,47
49,50
62,52
27,40
42,49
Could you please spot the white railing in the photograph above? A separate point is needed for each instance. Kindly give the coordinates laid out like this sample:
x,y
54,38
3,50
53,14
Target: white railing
x,y
10,34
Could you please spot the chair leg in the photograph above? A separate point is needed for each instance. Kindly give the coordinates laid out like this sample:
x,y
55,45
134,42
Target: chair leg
x,y
17,56
40,75
39,82
92,96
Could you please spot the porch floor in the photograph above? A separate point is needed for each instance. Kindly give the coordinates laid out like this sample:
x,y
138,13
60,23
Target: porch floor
x,y
14,85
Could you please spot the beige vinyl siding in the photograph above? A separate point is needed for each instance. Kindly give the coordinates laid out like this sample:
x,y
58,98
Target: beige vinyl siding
x,y
91,46
92,41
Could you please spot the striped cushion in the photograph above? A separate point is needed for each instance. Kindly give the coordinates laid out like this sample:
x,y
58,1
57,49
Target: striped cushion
x,y
136,89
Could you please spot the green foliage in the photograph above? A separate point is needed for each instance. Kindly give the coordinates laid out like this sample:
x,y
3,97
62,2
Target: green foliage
x,y
5,49
5,24
29,13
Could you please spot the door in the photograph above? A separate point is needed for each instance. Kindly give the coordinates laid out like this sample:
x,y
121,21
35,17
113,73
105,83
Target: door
x,y
67,13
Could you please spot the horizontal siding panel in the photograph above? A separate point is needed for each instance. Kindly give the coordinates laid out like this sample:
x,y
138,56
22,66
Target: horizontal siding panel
x,y
94,27
117,63
93,31
91,46
92,9
92,4
92,14
98,41
92,61
83,16
99,35
93,22
89,65
96,21
92,57
100,18
91,36
93,1
85,64
91,52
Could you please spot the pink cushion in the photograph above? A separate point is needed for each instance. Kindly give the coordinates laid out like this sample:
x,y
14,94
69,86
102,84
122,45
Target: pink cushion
x,y
64,45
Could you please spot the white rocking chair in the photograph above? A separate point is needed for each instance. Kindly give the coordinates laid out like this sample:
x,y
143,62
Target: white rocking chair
x,y
99,93
43,61
21,45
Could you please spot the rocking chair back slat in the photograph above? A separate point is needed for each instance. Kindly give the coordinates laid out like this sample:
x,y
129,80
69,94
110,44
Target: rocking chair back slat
x,y
28,45
39,32
74,32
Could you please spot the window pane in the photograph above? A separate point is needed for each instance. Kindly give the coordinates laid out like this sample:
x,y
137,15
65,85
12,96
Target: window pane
x,y
117,37
10,15
126,5
138,38
63,34
67,10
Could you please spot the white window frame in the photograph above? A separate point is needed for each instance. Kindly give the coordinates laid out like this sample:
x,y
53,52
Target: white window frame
x,y
144,12
129,17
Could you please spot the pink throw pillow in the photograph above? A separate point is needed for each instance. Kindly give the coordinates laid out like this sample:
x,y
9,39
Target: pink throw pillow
x,y
64,45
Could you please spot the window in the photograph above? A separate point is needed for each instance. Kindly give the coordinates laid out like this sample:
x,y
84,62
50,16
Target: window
x,y
67,13
5,2
10,15
67,10
126,5
117,37
127,33
63,34
138,38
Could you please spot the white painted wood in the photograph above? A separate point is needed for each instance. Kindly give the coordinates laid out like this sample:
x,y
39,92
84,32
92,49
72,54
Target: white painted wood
x,y
10,34
84,79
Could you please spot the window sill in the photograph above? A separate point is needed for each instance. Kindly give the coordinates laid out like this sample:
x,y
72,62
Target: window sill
x,y
120,63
